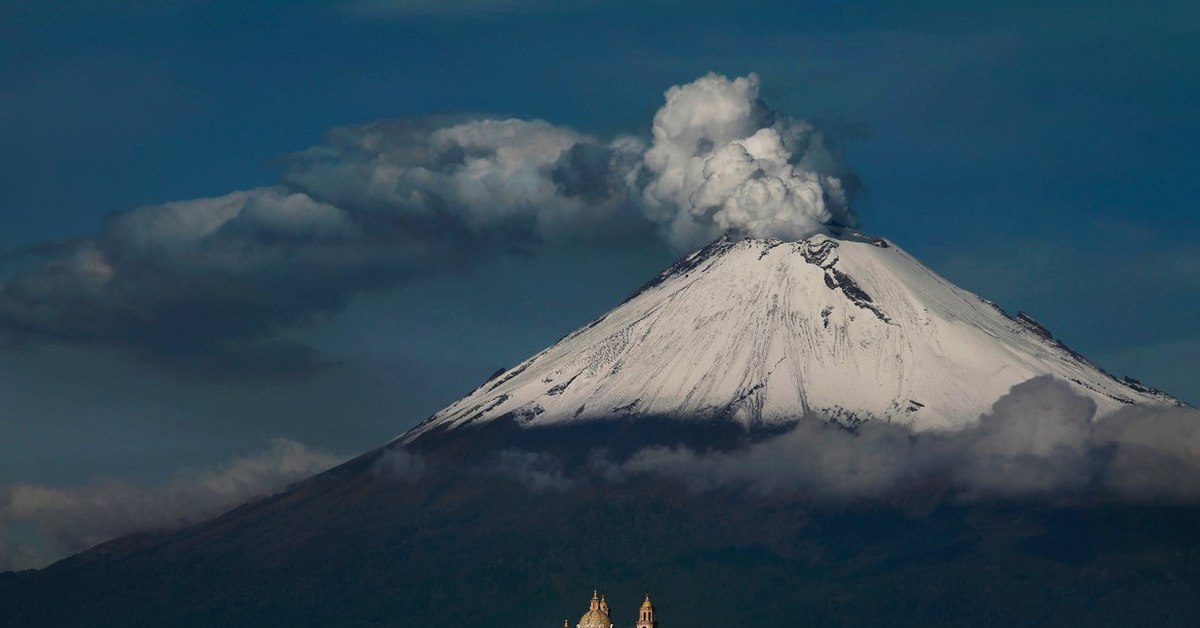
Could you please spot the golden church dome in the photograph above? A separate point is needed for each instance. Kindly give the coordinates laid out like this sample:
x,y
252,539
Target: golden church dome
x,y
597,613
595,618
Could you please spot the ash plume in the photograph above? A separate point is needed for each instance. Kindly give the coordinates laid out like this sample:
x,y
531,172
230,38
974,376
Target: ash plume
x,y
723,160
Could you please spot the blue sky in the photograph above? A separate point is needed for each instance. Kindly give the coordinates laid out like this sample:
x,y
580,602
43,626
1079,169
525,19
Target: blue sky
x,y
1041,156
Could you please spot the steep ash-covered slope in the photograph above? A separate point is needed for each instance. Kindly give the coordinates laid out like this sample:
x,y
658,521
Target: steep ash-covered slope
x,y
847,328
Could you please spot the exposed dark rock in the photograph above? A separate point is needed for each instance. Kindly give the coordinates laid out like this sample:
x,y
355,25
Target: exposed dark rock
x,y
689,263
558,389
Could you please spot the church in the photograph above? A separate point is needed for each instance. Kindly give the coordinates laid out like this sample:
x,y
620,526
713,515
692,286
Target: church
x,y
598,614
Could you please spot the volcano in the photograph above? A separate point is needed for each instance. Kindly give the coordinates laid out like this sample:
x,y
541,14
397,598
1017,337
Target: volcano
x,y
733,344
762,332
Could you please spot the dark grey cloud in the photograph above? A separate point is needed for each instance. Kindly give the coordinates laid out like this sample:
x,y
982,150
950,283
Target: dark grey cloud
x,y
398,464
592,172
1039,441
492,180
204,277
229,276
40,524
814,458
538,471
1151,454
225,276
1035,441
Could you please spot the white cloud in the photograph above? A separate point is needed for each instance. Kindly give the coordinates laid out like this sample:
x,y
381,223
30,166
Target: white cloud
x,y
229,232
40,524
1038,441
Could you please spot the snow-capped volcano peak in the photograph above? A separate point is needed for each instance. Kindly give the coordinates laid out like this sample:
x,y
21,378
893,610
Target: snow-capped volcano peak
x,y
846,327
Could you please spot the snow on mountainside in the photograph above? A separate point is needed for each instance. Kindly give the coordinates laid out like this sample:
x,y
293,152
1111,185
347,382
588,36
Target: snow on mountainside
x,y
848,328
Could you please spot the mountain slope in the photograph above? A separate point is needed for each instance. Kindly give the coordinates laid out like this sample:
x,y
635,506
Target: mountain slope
x,y
848,328
505,522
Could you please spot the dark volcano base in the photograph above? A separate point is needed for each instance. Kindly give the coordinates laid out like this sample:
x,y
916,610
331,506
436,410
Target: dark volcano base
x,y
463,547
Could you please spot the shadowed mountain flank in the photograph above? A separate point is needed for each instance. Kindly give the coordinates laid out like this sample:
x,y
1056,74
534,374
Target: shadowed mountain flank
x,y
447,541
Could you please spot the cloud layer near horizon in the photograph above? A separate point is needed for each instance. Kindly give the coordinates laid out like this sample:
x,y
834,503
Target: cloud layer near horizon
x,y
379,202
41,524
1040,441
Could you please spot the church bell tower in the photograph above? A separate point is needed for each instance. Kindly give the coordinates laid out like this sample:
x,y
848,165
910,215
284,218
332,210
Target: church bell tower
x,y
646,615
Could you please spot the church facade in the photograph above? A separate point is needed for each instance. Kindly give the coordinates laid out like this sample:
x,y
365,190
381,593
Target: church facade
x,y
599,615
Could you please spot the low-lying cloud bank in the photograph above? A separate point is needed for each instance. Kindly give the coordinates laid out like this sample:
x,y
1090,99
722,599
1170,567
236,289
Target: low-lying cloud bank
x,y
382,201
1039,441
41,524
